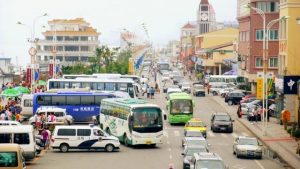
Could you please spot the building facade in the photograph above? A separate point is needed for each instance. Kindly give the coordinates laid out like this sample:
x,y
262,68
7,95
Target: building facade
x,y
173,49
206,20
215,48
187,38
67,41
6,71
289,71
250,41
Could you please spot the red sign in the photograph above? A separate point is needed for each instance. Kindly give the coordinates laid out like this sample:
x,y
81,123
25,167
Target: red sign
x,y
28,75
51,70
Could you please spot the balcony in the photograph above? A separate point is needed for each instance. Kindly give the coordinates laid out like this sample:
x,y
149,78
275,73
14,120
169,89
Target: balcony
x,y
51,42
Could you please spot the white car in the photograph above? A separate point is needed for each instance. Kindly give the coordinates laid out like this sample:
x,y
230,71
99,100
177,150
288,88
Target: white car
x,y
247,147
165,76
225,91
61,115
186,87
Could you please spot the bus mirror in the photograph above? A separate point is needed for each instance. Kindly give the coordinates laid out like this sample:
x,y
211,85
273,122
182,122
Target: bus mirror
x,y
131,120
193,103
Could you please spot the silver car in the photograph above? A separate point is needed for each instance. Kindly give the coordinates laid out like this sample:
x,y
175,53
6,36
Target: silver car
x,y
247,147
188,154
190,133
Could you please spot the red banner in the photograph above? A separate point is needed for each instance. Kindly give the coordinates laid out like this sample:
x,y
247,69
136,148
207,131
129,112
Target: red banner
x,y
51,70
28,75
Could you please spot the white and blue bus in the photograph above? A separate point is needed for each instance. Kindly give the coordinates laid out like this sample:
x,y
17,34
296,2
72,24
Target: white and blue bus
x,y
95,84
227,79
133,121
82,106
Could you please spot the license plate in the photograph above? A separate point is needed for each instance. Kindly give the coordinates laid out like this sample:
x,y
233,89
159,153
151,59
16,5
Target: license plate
x,y
148,142
223,128
251,153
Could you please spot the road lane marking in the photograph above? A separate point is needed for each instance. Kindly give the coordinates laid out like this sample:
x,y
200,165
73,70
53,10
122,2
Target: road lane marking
x,y
169,149
259,164
234,135
168,142
170,157
210,133
245,134
176,133
223,135
166,134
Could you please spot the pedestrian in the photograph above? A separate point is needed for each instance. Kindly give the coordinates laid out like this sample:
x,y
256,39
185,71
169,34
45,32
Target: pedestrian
x,y
47,147
148,91
152,91
208,88
239,111
2,116
18,117
52,117
38,121
255,113
45,137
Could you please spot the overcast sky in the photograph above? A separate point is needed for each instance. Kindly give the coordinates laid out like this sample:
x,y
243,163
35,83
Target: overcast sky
x,y
163,19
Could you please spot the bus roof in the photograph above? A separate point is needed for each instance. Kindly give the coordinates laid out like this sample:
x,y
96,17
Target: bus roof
x,y
75,93
121,80
181,95
129,102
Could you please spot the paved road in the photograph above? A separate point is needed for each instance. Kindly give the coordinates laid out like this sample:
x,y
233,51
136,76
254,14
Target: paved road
x,y
160,157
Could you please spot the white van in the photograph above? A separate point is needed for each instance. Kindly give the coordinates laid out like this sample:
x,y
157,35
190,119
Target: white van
x,y
83,137
26,105
9,123
22,135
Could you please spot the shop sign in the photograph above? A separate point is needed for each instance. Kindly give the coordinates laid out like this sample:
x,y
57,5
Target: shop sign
x,y
259,88
290,84
279,84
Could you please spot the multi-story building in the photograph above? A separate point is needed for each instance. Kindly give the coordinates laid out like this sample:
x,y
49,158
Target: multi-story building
x,y
69,41
250,43
6,71
188,32
289,51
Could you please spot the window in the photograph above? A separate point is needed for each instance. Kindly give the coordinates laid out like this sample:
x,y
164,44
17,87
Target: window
x,y
58,100
5,138
21,138
258,62
84,38
71,58
259,34
87,100
273,35
84,48
268,6
273,62
71,48
99,98
8,159
83,132
27,103
44,100
73,100
66,132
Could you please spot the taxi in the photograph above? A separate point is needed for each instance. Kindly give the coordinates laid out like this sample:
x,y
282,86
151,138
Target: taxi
x,y
196,124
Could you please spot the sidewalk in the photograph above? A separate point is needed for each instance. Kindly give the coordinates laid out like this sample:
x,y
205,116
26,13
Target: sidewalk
x,y
276,138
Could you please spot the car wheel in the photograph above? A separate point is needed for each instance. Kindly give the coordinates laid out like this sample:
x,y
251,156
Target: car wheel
x,y
125,140
234,152
237,155
259,157
109,148
230,102
215,93
64,148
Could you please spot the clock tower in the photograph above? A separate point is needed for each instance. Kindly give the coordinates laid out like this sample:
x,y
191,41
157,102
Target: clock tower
x,y
205,17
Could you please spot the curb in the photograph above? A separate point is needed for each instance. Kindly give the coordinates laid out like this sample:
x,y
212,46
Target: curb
x,y
268,147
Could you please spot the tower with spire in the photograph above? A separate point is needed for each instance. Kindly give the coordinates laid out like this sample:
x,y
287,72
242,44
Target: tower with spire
x,y
206,20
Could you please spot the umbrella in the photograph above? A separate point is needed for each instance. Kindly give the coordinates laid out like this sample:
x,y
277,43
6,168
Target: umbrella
x,y
23,89
11,92
42,83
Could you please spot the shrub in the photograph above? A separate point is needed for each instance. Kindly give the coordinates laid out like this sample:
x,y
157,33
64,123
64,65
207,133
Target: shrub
x,y
289,130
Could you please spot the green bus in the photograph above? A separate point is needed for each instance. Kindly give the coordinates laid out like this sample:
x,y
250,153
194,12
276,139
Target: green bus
x,y
180,108
133,121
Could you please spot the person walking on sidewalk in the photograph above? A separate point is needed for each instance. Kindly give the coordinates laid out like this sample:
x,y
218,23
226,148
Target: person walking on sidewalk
x,y
239,111
152,91
148,91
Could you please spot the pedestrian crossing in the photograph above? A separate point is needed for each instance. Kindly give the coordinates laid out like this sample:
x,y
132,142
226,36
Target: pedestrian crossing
x,y
178,133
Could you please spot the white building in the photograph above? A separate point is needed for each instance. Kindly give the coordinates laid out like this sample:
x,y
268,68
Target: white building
x,y
6,71
173,48
70,41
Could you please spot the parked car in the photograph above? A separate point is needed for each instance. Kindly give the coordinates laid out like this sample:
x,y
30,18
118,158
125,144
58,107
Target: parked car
x,y
247,147
189,152
207,160
11,156
198,90
61,116
234,97
221,122
190,133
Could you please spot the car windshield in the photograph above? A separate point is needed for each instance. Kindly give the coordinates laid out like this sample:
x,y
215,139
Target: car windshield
x,y
146,119
8,159
195,124
211,164
222,118
199,87
193,134
191,151
181,106
248,141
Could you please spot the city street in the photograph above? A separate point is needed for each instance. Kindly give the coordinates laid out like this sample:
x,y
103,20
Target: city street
x,y
163,155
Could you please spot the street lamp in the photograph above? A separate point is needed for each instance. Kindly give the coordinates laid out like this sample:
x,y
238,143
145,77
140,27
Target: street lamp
x,y
266,32
33,41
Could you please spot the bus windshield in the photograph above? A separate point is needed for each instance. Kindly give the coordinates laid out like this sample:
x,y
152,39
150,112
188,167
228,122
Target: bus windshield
x,y
181,106
147,119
